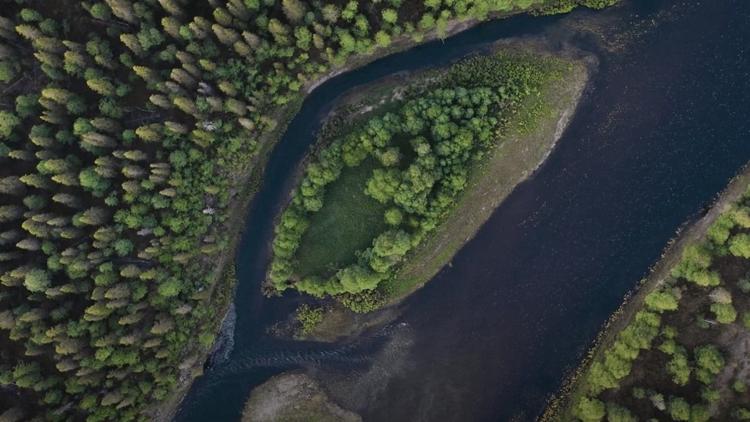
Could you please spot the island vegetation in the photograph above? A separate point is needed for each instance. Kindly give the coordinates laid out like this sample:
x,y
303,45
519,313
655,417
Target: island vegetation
x,y
129,132
680,350
378,188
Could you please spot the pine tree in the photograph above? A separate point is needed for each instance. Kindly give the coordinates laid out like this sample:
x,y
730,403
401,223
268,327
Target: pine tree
x,y
11,185
186,105
294,10
160,101
10,213
279,31
28,32
123,10
94,216
226,36
171,26
147,74
149,133
199,27
242,49
172,7
183,78
131,42
101,86
238,9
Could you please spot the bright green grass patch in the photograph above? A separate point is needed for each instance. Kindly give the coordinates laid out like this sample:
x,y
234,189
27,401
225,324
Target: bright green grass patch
x,y
347,223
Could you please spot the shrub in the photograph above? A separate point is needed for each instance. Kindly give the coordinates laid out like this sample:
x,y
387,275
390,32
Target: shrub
x,y
661,301
725,312
309,318
589,410
679,367
679,409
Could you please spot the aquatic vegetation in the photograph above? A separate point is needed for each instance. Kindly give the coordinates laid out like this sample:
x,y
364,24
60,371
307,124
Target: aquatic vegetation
x,y
309,317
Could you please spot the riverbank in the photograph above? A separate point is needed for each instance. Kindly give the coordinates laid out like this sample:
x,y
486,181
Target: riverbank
x,y
221,292
522,147
561,407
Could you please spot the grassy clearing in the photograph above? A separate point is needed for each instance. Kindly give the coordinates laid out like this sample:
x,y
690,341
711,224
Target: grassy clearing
x,y
348,222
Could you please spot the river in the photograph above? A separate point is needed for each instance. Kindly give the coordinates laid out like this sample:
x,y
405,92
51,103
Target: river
x,y
661,130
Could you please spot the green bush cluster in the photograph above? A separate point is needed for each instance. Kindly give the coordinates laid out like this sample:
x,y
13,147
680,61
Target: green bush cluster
x,y
309,317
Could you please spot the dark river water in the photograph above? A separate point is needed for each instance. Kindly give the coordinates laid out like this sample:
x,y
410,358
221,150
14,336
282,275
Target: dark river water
x,y
662,129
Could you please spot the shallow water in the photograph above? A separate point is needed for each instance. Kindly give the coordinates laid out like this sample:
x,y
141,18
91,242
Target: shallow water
x,y
662,129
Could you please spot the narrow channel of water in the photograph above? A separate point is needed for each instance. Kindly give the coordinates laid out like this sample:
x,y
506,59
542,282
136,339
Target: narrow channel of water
x,y
661,131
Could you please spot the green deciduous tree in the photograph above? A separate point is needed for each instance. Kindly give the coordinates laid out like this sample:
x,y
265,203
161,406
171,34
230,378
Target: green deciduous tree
x,y
616,413
725,312
36,280
8,122
390,16
589,409
661,301
679,409
739,245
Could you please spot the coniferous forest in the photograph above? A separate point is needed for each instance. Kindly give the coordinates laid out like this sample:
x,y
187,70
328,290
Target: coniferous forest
x,y
128,130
